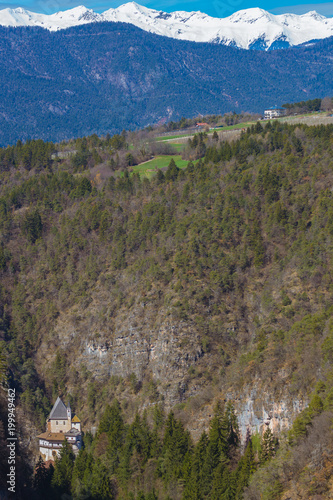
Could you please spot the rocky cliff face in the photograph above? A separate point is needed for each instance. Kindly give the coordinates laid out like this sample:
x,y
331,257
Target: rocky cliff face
x,y
138,342
148,342
257,410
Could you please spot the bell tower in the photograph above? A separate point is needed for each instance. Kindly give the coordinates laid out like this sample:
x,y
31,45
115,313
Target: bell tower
x,y
69,414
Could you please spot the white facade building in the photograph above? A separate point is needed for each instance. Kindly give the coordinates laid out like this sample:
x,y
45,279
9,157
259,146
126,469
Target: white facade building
x,y
274,112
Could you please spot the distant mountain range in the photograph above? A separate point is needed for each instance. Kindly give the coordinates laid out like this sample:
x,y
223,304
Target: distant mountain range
x,y
104,77
246,29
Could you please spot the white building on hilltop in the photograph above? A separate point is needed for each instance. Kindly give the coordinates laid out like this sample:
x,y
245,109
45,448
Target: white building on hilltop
x,y
274,112
60,425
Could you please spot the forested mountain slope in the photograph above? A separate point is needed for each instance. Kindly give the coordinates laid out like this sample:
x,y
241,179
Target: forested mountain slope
x,y
106,77
211,284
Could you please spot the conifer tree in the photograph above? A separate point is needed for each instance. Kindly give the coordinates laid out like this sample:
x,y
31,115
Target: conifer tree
x,y
155,444
258,128
232,424
138,441
63,469
172,171
159,177
112,424
200,476
230,491
246,467
267,446
187,470
221,481
100,482
176,444
82,471
144,438
42,477
32,225
124,470
218,439
116,436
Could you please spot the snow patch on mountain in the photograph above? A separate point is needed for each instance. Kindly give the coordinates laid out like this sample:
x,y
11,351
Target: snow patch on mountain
x,y
249,28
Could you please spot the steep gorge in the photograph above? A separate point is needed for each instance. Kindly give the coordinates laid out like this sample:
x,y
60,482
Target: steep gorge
x,y
212,283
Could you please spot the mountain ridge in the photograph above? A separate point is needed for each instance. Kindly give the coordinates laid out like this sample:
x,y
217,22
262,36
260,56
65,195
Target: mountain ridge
x,y
248,29
106,77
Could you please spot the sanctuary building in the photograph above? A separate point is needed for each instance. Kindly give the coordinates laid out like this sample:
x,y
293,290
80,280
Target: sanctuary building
x,y
60,425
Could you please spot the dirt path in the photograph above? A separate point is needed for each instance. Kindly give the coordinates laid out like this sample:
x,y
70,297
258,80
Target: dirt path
x,y
147,161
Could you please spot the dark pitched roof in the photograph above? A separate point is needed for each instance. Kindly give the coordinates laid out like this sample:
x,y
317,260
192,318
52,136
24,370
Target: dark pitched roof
x,y
59,411
275,108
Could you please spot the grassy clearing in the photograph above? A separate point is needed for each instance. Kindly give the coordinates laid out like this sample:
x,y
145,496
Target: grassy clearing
x,y
148,168
233,127
171,137
178,146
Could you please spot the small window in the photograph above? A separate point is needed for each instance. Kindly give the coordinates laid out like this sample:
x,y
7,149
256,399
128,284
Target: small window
x,y
64,422
56,422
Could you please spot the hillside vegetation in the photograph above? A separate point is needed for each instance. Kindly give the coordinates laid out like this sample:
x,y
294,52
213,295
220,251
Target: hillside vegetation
x,y
104,77
235,252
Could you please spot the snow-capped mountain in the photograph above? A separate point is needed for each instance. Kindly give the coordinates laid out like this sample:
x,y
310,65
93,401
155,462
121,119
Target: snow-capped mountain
x,y
54,22
247,29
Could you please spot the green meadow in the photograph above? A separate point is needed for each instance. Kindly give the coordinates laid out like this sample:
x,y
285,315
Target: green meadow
x,y
149,168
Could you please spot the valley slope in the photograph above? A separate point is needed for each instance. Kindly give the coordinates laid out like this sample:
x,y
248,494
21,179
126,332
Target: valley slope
x,y
208,284
105,77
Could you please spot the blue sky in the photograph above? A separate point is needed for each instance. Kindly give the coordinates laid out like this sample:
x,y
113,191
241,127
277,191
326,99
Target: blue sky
x,y
216,8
